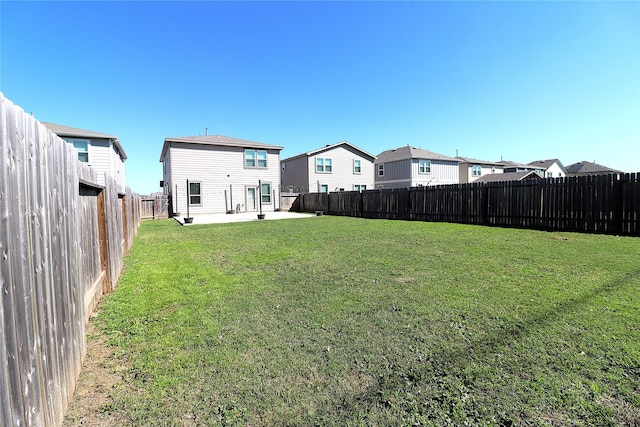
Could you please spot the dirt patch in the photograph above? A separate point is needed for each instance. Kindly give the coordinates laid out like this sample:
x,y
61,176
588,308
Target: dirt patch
x,y
99,377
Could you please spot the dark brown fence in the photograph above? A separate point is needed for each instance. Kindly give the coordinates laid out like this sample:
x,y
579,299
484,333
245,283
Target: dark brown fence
x,y
595,204
62,240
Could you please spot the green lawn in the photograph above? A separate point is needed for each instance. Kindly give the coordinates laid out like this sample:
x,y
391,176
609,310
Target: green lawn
x,y
344,321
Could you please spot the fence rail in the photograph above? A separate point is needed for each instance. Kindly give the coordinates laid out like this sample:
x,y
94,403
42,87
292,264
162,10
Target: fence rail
x,y
62,240
595,204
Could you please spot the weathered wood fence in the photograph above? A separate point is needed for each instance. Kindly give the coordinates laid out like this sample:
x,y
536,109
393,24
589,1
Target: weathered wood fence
x,y
595,204
153,207
62,240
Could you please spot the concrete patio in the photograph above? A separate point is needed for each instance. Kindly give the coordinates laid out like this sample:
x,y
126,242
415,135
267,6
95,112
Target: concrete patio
x,y
221,218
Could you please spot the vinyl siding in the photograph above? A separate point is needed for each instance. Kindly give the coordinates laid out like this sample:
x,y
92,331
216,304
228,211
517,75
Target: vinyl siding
x,y
219,169
296,174
405,173
104,159
466,171
342,175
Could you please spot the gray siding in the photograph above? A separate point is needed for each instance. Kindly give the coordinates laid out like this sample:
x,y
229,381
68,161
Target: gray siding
x,y
223,177
295,174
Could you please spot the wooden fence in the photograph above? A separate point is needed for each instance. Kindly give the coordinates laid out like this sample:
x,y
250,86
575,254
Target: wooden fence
x,y
595,204
153,207
62,240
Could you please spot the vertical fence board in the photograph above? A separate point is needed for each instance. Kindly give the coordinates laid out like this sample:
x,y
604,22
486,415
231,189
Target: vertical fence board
x,y
594,204
50,255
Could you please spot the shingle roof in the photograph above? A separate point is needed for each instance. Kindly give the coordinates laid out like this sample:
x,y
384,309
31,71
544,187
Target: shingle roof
x,y
220,140
408,152
67,131
330,147
585,167
478,162
544,164
507,176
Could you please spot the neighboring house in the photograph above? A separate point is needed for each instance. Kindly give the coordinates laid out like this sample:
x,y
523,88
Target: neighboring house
x,y
224,174
508,176
414,167
510,166
336,167
100,151
589,168
472,169
552,168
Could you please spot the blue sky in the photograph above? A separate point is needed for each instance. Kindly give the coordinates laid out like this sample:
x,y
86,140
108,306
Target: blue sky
x,y
522,81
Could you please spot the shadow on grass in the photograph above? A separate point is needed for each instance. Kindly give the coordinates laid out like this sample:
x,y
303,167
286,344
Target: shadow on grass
x,y
441,378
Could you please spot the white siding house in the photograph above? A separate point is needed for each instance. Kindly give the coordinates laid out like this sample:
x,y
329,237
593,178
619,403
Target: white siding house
x,y
335,167
414,167
472,169
218,174
552,168
100,151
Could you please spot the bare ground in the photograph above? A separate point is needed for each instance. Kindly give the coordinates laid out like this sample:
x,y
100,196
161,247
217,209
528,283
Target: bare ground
x,y
100,375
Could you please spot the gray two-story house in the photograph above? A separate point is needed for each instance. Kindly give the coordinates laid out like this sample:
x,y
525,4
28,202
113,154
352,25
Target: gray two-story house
x,y
335,167
218,174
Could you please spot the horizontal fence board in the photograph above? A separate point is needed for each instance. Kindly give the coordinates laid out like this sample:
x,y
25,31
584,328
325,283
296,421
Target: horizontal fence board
x,y
594,204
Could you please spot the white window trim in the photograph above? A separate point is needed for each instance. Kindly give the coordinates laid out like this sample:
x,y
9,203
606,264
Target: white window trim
x,y
256,158
380,169
356,172
198,195
324,164
427,166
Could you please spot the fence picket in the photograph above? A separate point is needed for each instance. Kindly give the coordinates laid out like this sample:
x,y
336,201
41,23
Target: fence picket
x,y
50,259
600,204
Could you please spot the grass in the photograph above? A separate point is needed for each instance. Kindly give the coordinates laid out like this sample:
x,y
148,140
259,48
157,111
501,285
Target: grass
x,y
351,322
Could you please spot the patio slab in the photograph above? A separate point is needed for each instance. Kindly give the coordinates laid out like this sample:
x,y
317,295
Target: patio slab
x,y
221,218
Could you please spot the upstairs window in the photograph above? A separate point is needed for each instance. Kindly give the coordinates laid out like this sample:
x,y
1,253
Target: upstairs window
x,y
255,158
476,170
381,169
424,166
82,145
357,166
323,165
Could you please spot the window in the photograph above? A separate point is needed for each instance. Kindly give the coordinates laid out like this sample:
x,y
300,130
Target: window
x,y
255,158
82,145
381,169
358,187
476,170
324,188
493,169
424,166
323,165
195,194
284,167
357,166
549,174
265,192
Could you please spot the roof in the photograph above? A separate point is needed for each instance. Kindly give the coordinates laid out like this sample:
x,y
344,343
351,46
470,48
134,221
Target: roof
x,y
545,164
70,132
409,152
330,147
478,162
510,164
507,176
585,167
215,140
